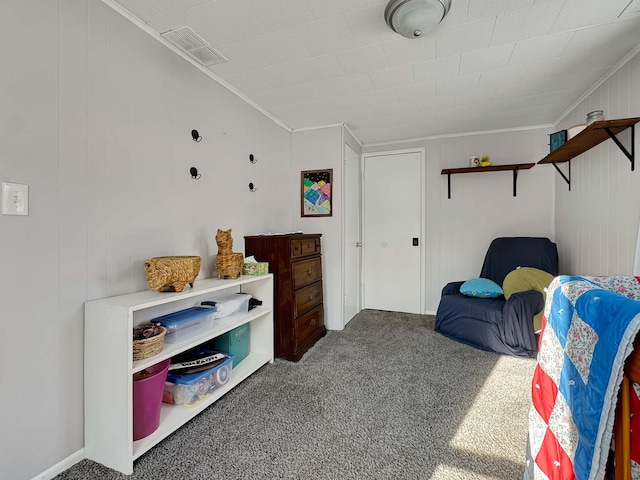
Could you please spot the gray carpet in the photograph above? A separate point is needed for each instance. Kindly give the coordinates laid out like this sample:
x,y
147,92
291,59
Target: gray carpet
x,y
386,398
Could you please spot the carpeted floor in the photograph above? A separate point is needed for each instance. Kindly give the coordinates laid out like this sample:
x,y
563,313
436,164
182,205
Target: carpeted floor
x,y
386,398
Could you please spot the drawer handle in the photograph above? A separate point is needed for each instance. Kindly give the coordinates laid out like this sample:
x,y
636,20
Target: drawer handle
x,y
310,271
311,297
312,322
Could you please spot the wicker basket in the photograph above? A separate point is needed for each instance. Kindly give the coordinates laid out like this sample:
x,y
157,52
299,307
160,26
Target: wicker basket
x,y
148,347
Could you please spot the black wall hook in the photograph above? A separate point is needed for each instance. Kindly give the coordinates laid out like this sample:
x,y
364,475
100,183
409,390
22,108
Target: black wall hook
x,y
252,159
194,173
195,135
251,187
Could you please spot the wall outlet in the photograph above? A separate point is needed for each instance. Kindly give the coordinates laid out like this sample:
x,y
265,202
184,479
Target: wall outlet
x,y
15,199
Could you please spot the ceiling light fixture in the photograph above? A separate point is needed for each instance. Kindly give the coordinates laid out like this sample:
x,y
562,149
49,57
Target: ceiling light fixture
x,y
414,18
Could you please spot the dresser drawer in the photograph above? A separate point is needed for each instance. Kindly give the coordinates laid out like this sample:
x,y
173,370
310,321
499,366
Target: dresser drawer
x,y
305,246
307,325
307,297
306,271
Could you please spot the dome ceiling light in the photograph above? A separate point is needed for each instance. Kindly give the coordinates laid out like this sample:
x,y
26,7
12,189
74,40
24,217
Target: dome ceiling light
x,y
414,18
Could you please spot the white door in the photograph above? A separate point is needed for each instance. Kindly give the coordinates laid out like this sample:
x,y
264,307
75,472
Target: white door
x,y
352,239
393,231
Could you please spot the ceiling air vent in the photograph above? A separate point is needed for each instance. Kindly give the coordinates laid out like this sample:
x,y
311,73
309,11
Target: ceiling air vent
x,y
193,45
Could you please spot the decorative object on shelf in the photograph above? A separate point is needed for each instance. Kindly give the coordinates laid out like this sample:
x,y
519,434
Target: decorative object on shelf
x,y
315,195
595,116
252,187
474,161
195,136
171,274
414,18
148,340
556,139
484,161
575,130
194,173
252,159
228,263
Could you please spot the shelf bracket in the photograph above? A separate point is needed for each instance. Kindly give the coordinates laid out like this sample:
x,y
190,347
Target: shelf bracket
x,y
449,185
629,155
568,180
515,180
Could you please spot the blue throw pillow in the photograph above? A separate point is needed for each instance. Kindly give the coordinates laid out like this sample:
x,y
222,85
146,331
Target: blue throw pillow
x,y
481,287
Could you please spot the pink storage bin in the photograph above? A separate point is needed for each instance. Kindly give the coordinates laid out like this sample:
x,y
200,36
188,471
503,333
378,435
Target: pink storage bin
x,y
148,386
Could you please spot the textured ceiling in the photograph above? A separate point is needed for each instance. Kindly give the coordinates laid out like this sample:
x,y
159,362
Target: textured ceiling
x,y
491,64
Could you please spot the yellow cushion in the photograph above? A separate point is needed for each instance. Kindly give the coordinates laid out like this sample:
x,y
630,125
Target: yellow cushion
x,y
527,278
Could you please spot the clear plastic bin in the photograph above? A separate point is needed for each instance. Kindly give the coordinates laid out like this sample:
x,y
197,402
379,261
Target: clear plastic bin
x,y
228,304
184,323
191,388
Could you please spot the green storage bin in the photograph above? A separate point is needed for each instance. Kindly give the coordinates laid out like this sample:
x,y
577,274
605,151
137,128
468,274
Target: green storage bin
x,y
235,342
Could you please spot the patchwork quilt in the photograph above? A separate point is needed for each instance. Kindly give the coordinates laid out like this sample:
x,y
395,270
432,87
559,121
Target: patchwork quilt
x,y
589,326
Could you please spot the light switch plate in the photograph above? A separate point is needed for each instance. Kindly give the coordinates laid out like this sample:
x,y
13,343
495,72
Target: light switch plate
x,y
15,199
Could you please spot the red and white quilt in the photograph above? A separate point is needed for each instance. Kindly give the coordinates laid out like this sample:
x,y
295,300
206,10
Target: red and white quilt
x,y
589,325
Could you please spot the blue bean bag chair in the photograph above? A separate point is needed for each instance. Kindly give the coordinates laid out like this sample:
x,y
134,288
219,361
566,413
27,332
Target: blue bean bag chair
x,y
484,318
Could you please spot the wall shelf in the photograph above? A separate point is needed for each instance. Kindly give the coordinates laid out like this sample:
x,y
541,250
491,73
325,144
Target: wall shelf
x,y
593,135
515,167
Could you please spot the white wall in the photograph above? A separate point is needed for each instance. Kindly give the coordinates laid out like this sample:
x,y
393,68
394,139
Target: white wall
x,y
482,207
314,150
597,221
96,118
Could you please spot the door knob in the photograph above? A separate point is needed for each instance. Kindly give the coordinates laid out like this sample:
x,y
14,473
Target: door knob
x,y
358,244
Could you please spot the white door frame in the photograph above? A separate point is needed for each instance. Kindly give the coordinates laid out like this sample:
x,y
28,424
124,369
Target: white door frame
x,y
423,236
346,249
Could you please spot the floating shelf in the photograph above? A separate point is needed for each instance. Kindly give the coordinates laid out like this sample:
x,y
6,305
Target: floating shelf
x,y
593,135
493,168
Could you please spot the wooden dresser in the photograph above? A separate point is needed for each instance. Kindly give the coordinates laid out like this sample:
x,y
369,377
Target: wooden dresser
x,y
296,262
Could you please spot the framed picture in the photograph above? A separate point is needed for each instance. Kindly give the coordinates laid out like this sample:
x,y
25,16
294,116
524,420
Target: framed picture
x,y
315,195
557,139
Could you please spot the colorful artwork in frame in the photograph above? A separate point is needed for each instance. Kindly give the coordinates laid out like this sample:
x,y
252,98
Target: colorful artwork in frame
x,y
315,198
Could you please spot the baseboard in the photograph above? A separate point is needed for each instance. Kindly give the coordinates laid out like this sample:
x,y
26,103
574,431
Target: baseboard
x,y
429,312
61,466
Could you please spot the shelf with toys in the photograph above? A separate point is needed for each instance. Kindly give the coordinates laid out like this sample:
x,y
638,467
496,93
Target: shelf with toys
x,y
515,167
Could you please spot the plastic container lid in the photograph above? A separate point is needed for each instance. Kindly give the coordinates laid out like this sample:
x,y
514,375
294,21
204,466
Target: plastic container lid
x,y
182,316
192,378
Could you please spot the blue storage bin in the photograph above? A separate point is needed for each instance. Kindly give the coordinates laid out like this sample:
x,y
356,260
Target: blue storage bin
x,y
235,342
185,323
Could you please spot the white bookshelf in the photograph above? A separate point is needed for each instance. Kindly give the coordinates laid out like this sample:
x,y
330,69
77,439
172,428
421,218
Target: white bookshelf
x,y
109,365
